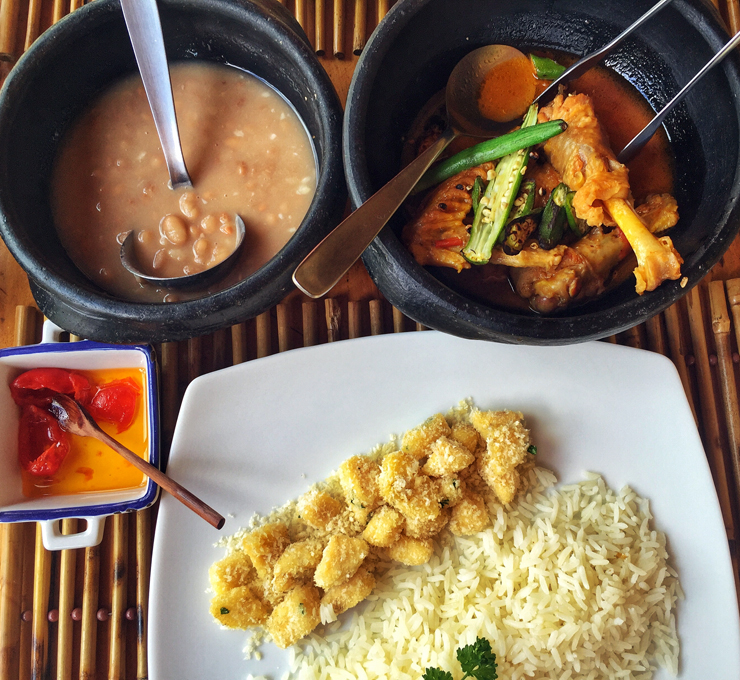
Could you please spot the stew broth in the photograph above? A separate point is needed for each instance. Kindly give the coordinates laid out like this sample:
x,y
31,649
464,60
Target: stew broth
x,y
247,152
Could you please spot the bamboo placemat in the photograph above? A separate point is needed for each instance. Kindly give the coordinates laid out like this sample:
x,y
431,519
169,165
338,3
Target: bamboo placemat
x,y
83,613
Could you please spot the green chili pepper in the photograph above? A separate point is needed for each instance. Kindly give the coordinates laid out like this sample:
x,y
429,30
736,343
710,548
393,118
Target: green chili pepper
x,y
546,69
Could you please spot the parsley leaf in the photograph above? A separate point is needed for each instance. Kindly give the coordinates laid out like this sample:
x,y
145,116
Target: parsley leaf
x,y
477,660
436,674
532,449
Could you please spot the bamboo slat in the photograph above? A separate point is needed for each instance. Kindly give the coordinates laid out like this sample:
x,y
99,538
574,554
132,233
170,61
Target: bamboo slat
x,y
40,622
319,28
283,327
376,317
88,617
9,13
333,319
656,339
143,565
721,327
382,9
264,335
195,358
33,23
360,27
67,568
310,324
118,524
354,319
238,344
709,413
398,321
678,352
339,29
11,552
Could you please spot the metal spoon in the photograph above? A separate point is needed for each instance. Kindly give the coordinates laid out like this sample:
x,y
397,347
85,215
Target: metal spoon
x,y
145,30
332,257
76,420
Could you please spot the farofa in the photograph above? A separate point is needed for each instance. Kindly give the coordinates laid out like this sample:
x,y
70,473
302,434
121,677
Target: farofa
x,y
320,556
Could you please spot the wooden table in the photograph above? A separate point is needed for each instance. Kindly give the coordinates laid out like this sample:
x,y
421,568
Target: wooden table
x,y
83,613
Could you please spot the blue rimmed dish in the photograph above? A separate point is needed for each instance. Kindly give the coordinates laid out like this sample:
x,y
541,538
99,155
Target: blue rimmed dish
x,y
93,507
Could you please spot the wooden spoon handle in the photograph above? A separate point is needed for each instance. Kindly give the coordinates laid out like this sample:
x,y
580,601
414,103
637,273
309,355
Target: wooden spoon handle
x,y
167,483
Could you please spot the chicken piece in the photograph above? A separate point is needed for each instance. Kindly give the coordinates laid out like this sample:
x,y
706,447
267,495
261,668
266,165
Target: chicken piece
x,y
584,271
469,516
411,551
239,607
437,234
452,489
318,508
467,435
265,545
426,528
587,164
531,255
232,571
346,595
659,212
506,486
406,489
507,443
447,457
340,560
296,616
384,527
397,473
358,477
657,259
418,440
297,564
584,159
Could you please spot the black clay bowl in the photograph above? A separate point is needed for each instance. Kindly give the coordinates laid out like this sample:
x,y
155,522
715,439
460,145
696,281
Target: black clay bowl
x,y
81,56
409,58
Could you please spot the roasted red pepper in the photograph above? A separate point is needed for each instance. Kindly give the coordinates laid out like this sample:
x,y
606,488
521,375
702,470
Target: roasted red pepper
x,y
42,444
36,386
115,402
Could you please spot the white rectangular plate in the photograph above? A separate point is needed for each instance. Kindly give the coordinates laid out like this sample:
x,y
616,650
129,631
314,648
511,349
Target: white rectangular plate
x,y
254,436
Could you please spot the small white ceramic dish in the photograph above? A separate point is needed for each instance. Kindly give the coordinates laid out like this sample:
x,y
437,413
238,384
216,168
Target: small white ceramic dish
x,y
92,507
257,435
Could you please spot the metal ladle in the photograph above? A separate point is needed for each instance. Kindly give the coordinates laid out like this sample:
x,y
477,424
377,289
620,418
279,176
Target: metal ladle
x,y
339,250
145,30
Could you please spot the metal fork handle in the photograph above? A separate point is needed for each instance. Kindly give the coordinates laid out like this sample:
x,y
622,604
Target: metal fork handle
x,y
642,138
145,31
590,60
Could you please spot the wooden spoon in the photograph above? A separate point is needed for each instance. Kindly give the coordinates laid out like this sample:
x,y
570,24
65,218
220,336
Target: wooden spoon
x,y
75,419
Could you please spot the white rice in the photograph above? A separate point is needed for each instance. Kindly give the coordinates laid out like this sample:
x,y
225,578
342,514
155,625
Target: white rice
x,y
565,584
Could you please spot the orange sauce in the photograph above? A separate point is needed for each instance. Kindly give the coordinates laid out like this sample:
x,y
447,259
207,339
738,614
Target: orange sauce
x,y
507,90
92,466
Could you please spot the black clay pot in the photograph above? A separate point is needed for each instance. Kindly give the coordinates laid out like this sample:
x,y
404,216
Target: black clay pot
x,y
409,59
78,58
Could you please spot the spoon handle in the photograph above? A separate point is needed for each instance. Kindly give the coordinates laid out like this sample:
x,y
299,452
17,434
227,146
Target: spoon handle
x,y
340,249
145,31
584,64
167,483
643,137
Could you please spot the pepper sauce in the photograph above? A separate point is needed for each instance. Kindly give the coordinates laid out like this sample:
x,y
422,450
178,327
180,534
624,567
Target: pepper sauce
x,y
90,465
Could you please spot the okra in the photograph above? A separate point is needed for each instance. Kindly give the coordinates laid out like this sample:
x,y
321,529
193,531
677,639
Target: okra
x,y
495,207
577,225
553,220
518,231
526,196
475,194
546,69
490,150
